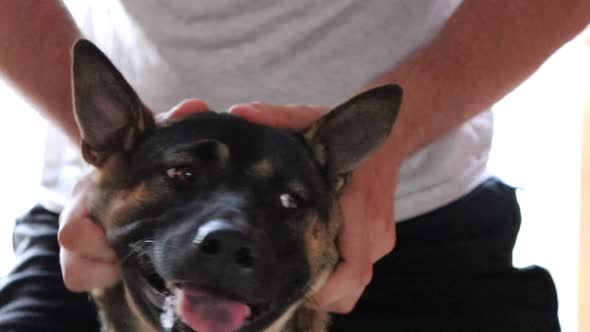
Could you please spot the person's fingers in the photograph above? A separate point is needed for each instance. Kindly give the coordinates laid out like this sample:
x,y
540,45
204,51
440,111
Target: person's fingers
x,y
383,239
184,108
380,226
347,303
344,287
77,232
378,203
294,117
84,274
81,235
86,259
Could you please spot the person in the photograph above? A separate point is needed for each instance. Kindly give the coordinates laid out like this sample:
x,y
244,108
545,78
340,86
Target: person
x,y
427,191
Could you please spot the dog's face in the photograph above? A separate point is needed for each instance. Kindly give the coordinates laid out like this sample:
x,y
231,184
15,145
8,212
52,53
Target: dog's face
x,y
219,224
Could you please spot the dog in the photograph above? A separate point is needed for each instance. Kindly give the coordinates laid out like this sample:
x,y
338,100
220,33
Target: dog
x,y
219,224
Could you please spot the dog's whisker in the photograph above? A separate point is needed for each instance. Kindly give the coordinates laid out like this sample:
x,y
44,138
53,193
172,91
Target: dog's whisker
x,y
136,249
168,316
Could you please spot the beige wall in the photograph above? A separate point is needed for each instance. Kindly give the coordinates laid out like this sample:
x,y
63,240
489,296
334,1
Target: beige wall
x,y
584,277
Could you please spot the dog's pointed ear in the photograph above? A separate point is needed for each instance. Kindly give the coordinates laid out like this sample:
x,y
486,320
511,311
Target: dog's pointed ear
x,y
349,133
108,112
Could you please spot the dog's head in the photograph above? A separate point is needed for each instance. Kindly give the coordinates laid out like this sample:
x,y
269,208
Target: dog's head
x,y
234,221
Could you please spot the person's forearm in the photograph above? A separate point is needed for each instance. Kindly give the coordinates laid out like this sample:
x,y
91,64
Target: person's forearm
x,y
485,50
35,42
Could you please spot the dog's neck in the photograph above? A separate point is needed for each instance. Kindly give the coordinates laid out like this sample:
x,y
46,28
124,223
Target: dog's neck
x,y
300,318
281,324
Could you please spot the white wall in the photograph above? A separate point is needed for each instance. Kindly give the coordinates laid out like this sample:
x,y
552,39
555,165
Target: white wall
x,y
537,147
21,146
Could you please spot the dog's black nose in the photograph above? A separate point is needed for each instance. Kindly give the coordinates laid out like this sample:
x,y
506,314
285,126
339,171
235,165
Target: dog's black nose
x,y
227,255
225,244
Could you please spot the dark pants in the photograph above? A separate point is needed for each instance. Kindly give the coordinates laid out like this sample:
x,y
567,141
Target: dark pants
x,y
33,296
451,271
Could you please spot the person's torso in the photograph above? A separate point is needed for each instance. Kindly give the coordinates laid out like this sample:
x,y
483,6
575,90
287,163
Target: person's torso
x,y
302,52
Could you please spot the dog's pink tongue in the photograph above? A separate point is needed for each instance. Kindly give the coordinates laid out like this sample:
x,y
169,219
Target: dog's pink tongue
x,y
207,312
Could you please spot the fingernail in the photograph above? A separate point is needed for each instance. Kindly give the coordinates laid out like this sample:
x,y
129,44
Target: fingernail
x,y
186,107
242,109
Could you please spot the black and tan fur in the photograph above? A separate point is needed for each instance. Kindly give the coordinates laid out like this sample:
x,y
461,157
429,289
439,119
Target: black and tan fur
x,y
156,183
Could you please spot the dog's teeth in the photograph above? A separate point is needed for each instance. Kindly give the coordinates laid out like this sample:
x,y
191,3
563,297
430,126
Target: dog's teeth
x,y
167,315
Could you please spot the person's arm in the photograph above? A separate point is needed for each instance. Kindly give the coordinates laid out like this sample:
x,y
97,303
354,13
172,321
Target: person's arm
x,y
36,38
484,51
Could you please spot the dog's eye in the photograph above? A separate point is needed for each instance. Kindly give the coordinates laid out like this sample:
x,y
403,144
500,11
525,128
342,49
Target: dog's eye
x,y
185,173
288,201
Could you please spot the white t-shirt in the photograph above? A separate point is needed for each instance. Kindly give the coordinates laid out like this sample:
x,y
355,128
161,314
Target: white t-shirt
x,y
303,52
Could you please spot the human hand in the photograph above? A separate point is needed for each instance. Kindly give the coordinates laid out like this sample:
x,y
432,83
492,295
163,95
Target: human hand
x,y
87,261
368,230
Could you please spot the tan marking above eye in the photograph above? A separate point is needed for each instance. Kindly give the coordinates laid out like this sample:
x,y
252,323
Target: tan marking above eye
x,y
222,152
209,150
263,168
